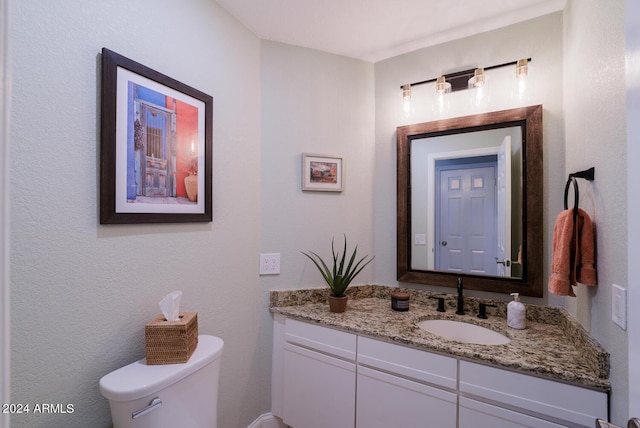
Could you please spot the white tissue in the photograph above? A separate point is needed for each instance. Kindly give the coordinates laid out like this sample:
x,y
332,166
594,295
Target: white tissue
x,y
170,305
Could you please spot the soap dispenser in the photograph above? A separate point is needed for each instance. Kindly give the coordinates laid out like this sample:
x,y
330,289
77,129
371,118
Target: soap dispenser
x,y
516,316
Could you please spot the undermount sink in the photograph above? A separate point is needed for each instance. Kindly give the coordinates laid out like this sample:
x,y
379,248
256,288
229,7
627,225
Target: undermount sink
x,y
463,332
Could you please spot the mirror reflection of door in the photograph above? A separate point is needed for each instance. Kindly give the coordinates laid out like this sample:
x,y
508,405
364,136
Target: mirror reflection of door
x,y
503,194
466,219
502,145
421,145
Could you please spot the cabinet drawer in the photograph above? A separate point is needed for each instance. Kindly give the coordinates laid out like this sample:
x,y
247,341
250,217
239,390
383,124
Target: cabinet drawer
x,y
474,414
408,362
326,340
549,399
384,401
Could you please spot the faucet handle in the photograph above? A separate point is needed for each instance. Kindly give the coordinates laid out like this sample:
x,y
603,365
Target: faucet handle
x,y
440,303
482,310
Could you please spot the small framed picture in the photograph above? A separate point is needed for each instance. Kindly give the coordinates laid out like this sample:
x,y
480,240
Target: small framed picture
x,y
321,173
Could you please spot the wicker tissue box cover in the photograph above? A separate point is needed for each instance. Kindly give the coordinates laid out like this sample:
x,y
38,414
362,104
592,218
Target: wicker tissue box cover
x,y
171,342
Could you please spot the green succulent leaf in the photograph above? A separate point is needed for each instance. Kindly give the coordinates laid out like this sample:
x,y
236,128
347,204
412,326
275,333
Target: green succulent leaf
x,y
339,276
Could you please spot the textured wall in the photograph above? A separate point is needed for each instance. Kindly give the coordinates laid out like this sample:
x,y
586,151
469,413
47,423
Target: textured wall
x,y
315,102
81,292
5,100
595,135
539,39
632,30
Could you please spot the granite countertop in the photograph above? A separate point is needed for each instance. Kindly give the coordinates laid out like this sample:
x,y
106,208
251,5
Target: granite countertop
x,y
553,345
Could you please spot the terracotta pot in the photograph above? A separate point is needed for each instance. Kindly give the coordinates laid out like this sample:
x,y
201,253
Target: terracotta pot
x,y
191,186
337,304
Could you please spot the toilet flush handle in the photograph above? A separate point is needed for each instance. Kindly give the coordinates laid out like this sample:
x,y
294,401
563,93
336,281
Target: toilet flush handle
x,y
153,404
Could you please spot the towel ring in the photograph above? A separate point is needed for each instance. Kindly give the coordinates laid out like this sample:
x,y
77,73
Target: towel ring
x,y
576,194
587,174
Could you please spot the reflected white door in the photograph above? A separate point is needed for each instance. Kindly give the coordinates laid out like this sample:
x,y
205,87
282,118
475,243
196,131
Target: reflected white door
x,y
466,226
503,192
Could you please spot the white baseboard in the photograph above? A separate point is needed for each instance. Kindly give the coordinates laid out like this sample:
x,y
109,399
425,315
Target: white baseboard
x,y
267,420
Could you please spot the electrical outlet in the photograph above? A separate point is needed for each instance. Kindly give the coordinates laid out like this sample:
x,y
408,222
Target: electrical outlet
x,y
270,264
619,305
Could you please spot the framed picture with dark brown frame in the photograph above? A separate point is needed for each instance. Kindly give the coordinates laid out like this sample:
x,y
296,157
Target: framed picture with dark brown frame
x,y
156,146
322,173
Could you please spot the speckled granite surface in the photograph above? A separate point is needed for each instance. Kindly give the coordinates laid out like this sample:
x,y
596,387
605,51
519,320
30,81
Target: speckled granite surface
x,y
553,345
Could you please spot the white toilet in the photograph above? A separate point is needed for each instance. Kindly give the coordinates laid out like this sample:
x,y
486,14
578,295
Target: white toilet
x,y
169,395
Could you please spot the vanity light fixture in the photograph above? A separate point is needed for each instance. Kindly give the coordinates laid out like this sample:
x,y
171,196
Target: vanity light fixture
x,y
406,92
442,86
523,87
522,68
478,80
460,80
406,99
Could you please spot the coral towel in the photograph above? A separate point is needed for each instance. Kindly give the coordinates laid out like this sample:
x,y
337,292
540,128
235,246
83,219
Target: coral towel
x,y
573,253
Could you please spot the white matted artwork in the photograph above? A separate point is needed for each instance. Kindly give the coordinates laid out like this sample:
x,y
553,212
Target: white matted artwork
x,y
322,173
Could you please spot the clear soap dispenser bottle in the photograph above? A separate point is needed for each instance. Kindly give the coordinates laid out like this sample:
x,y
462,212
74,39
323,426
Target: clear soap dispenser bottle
x,y
516,313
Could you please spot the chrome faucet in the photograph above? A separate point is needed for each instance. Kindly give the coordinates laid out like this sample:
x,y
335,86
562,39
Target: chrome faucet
x,y
460,309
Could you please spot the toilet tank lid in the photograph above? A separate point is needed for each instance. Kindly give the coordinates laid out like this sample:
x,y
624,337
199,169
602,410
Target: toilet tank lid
x,y
138,379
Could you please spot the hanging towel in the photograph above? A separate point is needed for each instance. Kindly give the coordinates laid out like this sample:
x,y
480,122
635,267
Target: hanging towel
x,y
573,252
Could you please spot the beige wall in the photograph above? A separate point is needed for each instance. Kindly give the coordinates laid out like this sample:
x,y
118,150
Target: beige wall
x,y
314,102
595,135
539,39
5,100
632,30
82,292
584,125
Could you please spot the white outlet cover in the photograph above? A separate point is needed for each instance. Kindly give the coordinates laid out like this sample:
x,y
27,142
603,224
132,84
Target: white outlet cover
x,y
619,305
270,264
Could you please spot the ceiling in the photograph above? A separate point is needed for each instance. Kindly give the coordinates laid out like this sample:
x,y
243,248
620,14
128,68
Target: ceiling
x,y
374,30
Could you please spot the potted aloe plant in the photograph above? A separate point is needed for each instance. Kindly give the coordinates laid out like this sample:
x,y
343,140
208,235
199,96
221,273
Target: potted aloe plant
x,y
341,273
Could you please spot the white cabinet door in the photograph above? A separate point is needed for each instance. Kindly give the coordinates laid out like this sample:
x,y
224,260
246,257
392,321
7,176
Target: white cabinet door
x,y
319,390
474,414
548,399
315,374
386,401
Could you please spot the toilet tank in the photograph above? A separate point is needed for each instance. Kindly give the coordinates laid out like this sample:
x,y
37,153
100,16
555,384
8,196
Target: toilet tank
x,y
169,395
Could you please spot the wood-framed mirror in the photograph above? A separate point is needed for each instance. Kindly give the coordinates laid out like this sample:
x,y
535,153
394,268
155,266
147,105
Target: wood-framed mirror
x,y
470,202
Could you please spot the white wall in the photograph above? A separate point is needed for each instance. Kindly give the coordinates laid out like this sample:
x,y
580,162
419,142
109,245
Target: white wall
x,y
539,39
595,135
317,103
82,292
5,101
632,27
588,50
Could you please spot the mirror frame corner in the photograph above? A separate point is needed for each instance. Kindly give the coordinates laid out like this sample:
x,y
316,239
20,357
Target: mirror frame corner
x,y
530,118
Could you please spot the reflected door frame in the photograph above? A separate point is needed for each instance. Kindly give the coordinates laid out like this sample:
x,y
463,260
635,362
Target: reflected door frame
x,y
431,192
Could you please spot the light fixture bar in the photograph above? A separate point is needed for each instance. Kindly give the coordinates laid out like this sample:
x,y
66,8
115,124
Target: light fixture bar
x,y
463,75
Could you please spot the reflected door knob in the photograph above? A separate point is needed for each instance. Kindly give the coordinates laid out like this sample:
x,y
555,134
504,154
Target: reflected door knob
x,y
443,243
